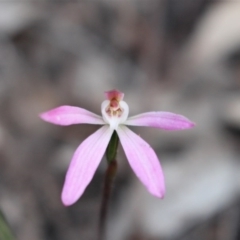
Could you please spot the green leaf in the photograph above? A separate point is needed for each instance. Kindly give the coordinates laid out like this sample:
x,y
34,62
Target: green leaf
x,y
5,231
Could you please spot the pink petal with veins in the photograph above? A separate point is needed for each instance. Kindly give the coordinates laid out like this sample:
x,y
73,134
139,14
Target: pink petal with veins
x,y
143,161
84,164
67,115
114,94
163,120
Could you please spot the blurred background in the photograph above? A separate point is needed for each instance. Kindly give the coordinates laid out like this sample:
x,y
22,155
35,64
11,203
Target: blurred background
x,y
181,56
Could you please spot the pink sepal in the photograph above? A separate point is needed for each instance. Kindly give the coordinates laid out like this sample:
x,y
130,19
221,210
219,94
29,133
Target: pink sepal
x,y
163,120
143,161
67,115
84,164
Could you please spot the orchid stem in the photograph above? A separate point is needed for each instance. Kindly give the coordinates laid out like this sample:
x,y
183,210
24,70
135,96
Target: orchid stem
x,y
111,154
108,181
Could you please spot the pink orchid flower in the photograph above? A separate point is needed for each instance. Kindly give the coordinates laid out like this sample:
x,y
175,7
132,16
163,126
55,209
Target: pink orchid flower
x,y
139,153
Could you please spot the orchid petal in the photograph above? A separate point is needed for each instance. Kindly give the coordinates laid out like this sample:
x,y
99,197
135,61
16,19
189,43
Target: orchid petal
x,y
84,164
143,161
68,115
114,121
163,120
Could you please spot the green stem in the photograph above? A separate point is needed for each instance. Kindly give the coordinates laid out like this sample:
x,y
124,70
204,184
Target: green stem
x,y
111,154
111,151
